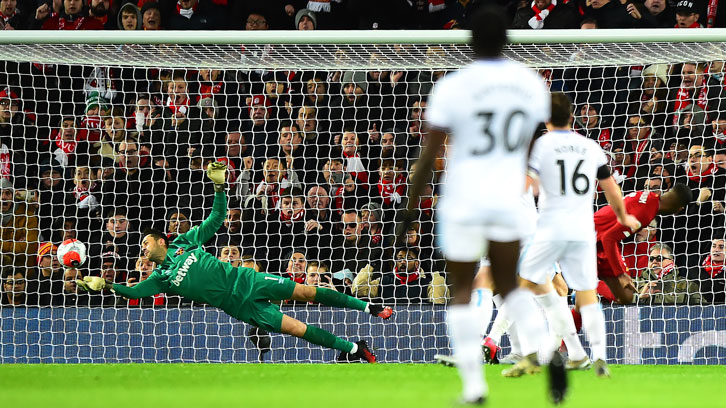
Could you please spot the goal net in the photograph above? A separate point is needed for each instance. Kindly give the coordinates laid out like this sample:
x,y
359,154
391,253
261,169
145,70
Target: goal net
x,y
101,138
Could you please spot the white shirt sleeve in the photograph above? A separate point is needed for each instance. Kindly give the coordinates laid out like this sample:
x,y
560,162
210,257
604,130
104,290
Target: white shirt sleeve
x,y
438,103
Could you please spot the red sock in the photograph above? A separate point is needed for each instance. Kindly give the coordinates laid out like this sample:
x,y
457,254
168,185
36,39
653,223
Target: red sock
x,y
577,318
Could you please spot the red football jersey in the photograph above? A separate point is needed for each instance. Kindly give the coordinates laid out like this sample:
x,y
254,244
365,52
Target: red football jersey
x,y
643,205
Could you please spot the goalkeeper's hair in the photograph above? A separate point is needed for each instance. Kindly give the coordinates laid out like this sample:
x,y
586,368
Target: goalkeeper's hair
x,y
157,235
561,110
488,32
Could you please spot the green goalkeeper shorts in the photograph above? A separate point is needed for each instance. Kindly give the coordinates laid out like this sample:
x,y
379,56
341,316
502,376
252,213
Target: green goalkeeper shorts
x,y
257,308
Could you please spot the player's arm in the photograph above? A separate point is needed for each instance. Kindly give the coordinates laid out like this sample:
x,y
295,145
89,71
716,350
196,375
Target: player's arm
x,y
151,286
217,172
424,167
615,199
611,246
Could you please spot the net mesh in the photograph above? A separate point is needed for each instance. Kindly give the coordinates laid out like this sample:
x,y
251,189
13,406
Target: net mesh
x,y
100,142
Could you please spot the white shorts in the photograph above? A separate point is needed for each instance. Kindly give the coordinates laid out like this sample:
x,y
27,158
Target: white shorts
x,y
468,242
576,259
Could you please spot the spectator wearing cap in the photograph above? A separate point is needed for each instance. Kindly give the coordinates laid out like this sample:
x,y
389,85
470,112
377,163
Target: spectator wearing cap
x,y
609,14
129,18
70,17
590,124
50,275
687,14
545,14
350,110
305,20
713,272
651,98
18,227
101,11
97,108
196,15
151,16
661,282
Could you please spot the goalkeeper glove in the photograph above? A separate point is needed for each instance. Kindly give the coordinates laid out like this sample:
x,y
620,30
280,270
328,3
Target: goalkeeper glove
x,y
93,283
217,172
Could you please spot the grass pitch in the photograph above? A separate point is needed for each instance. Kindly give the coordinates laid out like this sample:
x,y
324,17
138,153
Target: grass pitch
x,y
342,386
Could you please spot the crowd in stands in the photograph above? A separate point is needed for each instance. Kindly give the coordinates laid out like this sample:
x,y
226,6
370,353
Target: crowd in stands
x,y
319,163
350,14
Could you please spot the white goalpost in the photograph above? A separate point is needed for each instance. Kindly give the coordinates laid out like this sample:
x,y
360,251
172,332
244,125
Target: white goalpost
x,y
103,134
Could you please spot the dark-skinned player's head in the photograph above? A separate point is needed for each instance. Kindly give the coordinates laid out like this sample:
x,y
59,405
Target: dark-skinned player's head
x,y
154,245
488,32
561,115
675,199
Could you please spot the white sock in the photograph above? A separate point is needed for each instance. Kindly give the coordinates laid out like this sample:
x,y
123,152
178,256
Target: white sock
x,y
593,321
514,339
467,352
561,324
501,325
523,311
481,302
355,349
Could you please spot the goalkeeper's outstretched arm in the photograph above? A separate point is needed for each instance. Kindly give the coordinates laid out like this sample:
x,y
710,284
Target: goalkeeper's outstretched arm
x,y
149,287
217,172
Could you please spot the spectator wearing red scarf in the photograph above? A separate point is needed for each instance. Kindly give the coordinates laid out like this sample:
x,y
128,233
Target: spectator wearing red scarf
x,y
713,272
546,14
391,184
639,139
661,284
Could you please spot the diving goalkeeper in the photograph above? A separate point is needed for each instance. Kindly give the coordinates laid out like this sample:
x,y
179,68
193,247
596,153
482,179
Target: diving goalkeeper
x,y
185,269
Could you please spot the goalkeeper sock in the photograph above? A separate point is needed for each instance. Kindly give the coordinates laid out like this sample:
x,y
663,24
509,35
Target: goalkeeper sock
x,y
327,339
329,297
481,303
593,320
467,352
560,320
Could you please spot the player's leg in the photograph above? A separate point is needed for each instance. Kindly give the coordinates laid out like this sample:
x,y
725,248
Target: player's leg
x,y
503,324
520,304
463,245
290,325
584,281
329,297
481,302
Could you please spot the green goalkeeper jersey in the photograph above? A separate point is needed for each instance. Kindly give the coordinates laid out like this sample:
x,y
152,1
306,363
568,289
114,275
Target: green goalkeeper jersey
x,y
193,273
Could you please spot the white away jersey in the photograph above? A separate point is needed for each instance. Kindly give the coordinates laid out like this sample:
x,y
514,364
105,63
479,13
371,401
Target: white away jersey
x,y
490,109
567,165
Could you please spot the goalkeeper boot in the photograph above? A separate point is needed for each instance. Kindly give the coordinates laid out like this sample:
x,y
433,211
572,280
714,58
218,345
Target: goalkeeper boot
x,y
490,351
601,368
445,360
557,378
583,364
364,353
528,365
384,312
